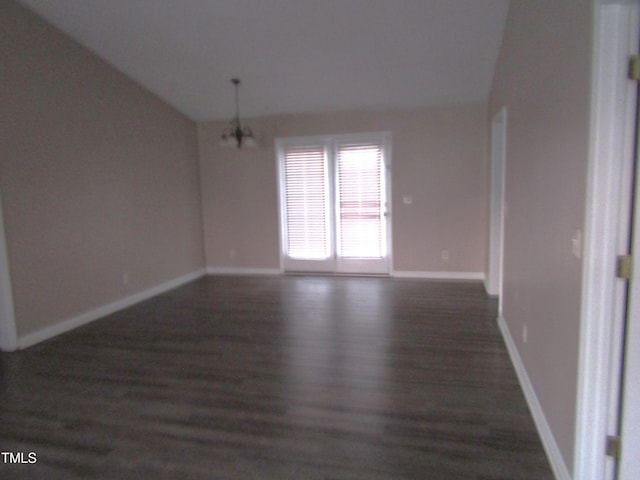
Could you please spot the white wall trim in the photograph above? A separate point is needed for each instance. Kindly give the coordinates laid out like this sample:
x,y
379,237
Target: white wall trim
x,y
243,271
95,314
439,275
398,273
489,294
556,460
495,268
614,27
8,335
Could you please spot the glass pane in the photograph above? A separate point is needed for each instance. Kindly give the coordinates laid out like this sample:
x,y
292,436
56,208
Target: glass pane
x,y
306,203
361,229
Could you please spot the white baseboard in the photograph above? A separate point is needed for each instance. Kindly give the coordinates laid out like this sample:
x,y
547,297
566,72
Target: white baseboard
x,y
439,275
487,289
398,274
87,317
556,460
242,271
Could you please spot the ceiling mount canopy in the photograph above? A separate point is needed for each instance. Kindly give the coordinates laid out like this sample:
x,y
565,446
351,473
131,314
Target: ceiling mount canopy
x,y
235,135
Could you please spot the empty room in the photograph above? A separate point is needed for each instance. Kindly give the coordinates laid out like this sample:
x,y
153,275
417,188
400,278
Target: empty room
x,y
356,239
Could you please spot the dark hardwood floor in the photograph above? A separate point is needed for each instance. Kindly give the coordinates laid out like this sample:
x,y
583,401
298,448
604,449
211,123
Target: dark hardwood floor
x,y
276,378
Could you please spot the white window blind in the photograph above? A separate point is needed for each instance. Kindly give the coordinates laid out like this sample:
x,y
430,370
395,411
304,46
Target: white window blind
x,y
360,209
306,202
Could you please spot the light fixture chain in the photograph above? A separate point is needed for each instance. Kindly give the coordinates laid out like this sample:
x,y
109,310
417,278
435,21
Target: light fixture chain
x,y
236,82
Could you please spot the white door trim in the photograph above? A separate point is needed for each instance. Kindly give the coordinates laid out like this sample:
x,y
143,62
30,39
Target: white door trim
x,y
8,334
629,466
496,232
615,37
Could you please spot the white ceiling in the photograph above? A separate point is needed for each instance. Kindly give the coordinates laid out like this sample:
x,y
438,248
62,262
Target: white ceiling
x,y
293,56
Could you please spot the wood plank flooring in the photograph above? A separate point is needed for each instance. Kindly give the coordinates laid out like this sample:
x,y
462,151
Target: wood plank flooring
x,y
279,378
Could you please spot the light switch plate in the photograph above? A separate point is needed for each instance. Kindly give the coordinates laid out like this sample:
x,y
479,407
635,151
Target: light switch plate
x,y
576,244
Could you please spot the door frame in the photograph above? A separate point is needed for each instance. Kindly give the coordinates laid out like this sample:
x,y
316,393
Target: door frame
x,y
329,142
629,466
497,216
8,334
615,36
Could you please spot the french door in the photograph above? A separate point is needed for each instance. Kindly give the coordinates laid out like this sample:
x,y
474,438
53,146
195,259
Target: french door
x,y
334,204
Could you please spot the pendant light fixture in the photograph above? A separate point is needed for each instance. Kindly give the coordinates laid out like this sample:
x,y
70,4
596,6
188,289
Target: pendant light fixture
x,y
235,135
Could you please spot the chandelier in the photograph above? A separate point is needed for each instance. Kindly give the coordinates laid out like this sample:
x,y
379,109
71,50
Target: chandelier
x,y
235,135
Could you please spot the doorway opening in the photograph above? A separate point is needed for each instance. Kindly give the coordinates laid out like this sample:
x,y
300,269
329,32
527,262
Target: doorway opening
x,y
496,238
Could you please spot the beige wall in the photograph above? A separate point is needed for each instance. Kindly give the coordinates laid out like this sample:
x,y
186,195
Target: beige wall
x,y
543,79
98,178
438,158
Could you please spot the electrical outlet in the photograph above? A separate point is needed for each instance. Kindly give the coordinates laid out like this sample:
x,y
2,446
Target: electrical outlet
x,y
407,199
525,333
445,256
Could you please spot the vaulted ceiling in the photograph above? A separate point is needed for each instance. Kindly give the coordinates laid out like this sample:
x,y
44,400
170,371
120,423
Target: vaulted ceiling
x,y
293,56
